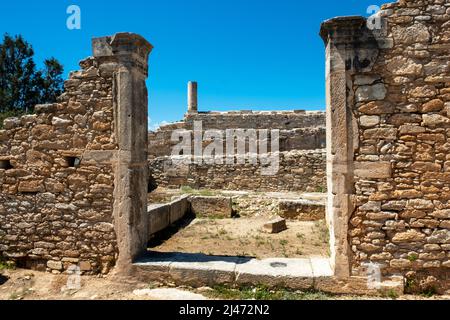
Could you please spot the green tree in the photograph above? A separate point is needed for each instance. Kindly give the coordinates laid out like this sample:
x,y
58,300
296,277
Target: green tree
x,y
51,85
22,86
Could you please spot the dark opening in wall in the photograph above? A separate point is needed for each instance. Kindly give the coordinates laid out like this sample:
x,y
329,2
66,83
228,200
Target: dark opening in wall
x,y
152,184
5,164
73,162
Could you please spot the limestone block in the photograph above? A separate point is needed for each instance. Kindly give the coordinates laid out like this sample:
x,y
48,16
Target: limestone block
x,y
370,93
211,206
440,237
55,265
408,236
275,225
159,218
404,66
31,186
303,210
179,208
434,105
373,169
376,107
417,33
369,121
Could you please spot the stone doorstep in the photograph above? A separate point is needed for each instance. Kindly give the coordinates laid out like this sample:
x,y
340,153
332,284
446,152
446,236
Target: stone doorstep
x,y
298,274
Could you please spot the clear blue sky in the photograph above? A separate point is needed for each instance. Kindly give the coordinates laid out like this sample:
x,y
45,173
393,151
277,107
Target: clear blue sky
x,y
245,54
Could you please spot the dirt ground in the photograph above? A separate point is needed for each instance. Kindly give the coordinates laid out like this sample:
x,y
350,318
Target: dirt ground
x,y
22,284
32,285
242,236
245,237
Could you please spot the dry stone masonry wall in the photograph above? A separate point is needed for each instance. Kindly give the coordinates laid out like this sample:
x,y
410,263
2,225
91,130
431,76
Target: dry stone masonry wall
x,y
388,145
58,167
302,158
56,198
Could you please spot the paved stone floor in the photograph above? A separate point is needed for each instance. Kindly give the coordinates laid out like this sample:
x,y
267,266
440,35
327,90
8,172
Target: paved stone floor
x,y
202,269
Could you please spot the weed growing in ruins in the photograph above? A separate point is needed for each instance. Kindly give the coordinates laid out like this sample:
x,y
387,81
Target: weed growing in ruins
x,y
203,192
321,189
6,265
264,293
413,257
322,230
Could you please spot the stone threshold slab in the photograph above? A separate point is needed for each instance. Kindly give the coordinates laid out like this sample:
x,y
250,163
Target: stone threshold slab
x,y
197,270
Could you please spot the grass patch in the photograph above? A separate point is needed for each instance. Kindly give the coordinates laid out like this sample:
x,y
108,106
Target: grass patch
x,y
203,192
6,265
263,293
413,257
321,228
321,189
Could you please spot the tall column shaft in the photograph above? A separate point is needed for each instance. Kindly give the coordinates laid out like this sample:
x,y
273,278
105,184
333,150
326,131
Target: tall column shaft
x,y
130,54
347,42
192,97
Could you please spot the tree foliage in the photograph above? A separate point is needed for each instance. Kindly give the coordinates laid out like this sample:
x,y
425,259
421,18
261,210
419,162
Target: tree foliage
x,y
22,86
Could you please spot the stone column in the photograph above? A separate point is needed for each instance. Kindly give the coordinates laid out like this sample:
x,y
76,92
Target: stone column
x,y
192,97
128,54
350,48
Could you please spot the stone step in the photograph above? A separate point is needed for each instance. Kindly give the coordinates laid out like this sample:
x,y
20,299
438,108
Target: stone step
x,y
198,270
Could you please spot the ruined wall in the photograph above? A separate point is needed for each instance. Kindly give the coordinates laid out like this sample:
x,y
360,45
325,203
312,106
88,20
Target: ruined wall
x,y
52,209
389,148
57,172
302,161
299,130
298,171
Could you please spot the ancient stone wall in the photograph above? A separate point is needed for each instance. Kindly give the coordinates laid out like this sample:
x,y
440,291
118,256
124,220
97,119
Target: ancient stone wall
x,y
58,167
388,143
302,163
299,130
299,171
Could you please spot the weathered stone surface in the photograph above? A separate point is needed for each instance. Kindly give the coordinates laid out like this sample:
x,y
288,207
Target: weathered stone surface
x,y
299,170
432,106
408,236
55,265
376,107
417,33
31,186
211,206
58,203
373,169
404,66
275,225
440,237
303,210
371,93
369,121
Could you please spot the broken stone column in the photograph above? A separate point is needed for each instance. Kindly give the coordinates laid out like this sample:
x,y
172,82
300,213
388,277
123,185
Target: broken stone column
x,y
192,97
350,48
127,54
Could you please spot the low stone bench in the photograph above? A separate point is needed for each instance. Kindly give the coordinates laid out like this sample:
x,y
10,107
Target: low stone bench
x,y
163,215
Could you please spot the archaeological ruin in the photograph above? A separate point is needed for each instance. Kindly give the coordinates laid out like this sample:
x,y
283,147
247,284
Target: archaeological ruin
x,y
75,177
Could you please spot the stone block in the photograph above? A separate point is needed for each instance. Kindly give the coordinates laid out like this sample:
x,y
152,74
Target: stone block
x,y
303,210
212,206
178,209
373,169
276,225
158,218
55,265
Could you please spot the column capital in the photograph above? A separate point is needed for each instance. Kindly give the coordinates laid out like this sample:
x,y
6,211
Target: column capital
x,y
130,49
344,29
